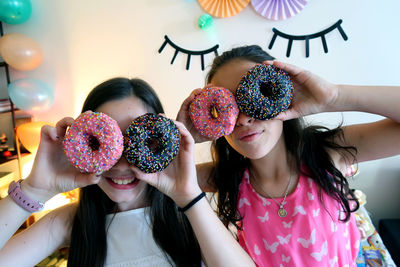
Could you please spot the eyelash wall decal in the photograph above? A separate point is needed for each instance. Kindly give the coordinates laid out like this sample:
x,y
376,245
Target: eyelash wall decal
x,y
188,52
307,38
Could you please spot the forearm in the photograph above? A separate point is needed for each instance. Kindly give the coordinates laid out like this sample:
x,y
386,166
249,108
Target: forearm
x,y
11,218
218,246
13,215
381,100
29,247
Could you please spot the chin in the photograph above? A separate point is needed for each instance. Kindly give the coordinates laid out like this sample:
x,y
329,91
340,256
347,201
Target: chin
x,y
254,153
256,156
127,202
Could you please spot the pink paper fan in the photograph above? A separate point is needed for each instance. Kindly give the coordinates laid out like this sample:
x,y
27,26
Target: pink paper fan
x,y
278,9
223,8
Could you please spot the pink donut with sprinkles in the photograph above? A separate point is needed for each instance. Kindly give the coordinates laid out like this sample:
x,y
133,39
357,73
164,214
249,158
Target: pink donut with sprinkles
x,y
214,112
94,142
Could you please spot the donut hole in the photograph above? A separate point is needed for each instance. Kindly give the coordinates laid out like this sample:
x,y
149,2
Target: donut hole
x,y
214,112
153,144
94,143
268,89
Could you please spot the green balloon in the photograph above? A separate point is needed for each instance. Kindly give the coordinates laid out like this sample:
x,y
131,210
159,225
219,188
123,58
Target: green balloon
x,y
15,11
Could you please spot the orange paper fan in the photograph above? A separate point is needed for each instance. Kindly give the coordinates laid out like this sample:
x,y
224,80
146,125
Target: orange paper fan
x,y
223,8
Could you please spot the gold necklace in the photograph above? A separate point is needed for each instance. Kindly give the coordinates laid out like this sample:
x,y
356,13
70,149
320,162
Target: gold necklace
x,y
281,212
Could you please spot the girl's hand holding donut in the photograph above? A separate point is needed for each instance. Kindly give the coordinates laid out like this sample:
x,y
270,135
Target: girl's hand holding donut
x,y
183,117
312,94
179,179
51,172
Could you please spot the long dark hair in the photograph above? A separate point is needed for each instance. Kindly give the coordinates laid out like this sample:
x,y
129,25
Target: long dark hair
x,y
171,229
307,146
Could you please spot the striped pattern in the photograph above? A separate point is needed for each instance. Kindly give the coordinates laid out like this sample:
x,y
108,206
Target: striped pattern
x,y
278,9
223,8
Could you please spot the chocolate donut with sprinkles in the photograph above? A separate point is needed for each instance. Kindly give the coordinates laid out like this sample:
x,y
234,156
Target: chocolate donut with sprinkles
x,y
151,142
94,142
264,92
214,112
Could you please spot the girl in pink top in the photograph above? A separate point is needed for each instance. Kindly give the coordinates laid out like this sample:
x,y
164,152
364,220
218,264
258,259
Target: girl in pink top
x,y
282,184
299,238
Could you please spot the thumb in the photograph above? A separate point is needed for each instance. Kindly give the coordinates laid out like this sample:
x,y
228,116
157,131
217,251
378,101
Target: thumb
x,y
83,180
287,115
291,69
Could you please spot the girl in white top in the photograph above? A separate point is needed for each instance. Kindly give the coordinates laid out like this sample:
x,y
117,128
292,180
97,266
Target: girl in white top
x,y
147,229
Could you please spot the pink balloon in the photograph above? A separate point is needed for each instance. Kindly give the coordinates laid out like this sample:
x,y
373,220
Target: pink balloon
x,y
20,52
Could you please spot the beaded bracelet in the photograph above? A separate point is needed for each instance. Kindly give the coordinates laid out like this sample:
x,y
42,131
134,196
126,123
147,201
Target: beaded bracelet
x,y
191,203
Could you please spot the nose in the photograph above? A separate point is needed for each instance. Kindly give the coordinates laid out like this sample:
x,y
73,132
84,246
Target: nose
x,y
244,120
122,163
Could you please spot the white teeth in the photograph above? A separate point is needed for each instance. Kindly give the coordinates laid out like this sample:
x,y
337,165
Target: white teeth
x,y
122,181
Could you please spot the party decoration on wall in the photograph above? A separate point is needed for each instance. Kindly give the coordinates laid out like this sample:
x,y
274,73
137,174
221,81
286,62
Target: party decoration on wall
x,y
307,38
29,134
15,11
31,94
189,53
20,51
223,8
205,21
278,9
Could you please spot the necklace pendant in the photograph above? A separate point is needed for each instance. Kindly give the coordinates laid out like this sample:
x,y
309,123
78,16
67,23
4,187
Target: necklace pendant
x,y
282,212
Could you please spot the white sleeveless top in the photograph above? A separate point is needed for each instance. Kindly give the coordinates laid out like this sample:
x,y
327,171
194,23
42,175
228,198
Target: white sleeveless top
x,y
130,241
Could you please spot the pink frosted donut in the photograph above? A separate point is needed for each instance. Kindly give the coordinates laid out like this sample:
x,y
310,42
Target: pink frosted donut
x,y
94,142
214,112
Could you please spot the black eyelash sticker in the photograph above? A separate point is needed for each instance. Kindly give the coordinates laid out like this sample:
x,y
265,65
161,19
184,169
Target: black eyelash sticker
x,y
188,52
307,38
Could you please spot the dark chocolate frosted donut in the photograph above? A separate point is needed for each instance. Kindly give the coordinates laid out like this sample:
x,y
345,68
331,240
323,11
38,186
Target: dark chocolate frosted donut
x,y
264,92
152,142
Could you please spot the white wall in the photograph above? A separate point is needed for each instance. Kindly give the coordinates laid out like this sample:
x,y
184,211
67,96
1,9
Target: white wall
x,y
86,42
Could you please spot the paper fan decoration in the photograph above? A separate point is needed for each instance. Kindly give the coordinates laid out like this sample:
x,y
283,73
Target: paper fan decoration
x,y
223,8
278,9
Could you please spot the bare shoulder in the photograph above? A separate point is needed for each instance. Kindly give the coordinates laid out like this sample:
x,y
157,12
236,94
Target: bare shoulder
x,y
53,230
63,214
205,174
59,222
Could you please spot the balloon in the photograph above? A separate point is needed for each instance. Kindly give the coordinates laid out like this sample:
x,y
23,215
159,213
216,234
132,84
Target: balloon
x,y
29,134
31,94
15,11
20,51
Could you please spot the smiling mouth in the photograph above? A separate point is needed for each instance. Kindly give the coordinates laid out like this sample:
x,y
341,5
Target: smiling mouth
x,y
122,181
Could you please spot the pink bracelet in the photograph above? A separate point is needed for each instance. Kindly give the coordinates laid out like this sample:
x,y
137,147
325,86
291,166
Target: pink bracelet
x,y
15,192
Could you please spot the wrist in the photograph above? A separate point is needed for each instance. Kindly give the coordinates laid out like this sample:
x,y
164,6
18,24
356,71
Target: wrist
x,y
185,199
345,99
22,199
33,192
192,202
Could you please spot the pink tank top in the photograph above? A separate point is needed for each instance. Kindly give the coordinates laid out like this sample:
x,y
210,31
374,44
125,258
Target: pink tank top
x,y
309,235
